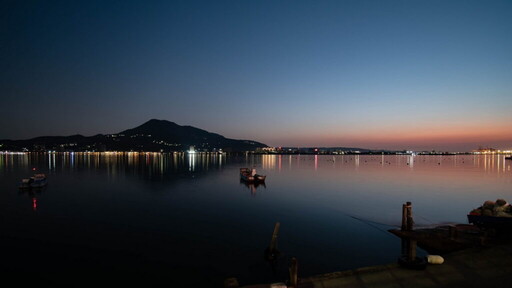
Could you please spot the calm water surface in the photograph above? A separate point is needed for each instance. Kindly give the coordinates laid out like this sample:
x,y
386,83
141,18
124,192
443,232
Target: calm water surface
x,y
188,220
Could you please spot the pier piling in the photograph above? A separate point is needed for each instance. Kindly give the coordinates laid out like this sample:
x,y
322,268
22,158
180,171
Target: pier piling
x,y
404,217
273,242
271,253
293,273
411,253
407,221
410,221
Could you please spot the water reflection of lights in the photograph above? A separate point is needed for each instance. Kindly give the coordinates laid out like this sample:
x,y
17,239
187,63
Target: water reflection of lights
x,y
51,161
192,159
411,161
269,161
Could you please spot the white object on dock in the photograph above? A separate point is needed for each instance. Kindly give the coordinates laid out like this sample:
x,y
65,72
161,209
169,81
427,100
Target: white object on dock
x,y
435,259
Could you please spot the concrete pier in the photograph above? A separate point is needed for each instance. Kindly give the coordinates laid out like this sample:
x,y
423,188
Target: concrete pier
x,y
474,267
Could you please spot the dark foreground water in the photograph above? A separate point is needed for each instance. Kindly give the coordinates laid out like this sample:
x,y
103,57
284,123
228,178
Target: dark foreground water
x,y
186,220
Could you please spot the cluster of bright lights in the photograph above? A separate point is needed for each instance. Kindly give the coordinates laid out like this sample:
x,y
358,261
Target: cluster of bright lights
x,y
492,152
13,153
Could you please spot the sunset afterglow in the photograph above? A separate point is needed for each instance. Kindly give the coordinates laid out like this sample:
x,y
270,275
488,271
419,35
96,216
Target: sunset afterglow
x,y
372,74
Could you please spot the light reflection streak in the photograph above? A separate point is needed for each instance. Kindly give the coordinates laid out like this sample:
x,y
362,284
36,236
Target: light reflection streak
x,y
269,162
155,164
192,162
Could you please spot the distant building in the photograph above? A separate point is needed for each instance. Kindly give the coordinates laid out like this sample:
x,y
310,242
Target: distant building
x,y
482,150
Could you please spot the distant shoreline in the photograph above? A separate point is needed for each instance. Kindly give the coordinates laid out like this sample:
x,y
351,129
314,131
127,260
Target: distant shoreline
x,y
351,153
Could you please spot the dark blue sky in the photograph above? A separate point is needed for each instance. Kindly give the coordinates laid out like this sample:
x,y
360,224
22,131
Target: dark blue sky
x,y
377,74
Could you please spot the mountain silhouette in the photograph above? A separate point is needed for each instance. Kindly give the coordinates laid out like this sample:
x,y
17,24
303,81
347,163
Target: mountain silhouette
x,y
154,135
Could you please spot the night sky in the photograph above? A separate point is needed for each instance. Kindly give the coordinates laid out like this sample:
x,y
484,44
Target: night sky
x,y
372,74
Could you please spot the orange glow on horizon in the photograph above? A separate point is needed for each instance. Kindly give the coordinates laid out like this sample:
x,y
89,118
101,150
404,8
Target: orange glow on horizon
x,y
469,135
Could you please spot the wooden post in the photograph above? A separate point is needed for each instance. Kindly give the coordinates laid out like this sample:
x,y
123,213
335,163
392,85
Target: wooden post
x,y
404,246
410,222
293,273
411,254
273,242
271,253
404,217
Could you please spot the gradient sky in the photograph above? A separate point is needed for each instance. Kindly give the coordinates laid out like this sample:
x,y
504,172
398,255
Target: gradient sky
x,y
373,74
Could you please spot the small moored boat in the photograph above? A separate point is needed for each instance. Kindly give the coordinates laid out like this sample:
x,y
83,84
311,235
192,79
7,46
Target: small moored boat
x,y
250,175
508,157
492,214
36,181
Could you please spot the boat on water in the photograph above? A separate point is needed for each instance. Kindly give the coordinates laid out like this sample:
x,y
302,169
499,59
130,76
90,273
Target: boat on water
x,y
493,215
36,181
250,175
508,157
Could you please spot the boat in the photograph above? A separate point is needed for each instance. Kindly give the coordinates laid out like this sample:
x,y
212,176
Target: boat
x,y
36,181
494,222
492,215
508,157
249,175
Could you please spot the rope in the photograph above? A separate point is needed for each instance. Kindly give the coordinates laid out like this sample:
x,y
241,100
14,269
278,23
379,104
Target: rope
x,y
431,223
372,224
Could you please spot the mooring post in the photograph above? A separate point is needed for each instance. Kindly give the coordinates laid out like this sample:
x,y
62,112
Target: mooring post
x,y
293,273
411,254
273,242
410,222
404,217
404,247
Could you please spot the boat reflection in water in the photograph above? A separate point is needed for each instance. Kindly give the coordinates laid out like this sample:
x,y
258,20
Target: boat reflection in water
x,y
253,186
33,194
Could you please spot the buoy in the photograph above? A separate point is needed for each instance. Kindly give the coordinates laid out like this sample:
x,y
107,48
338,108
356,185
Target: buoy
x,y
435,259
